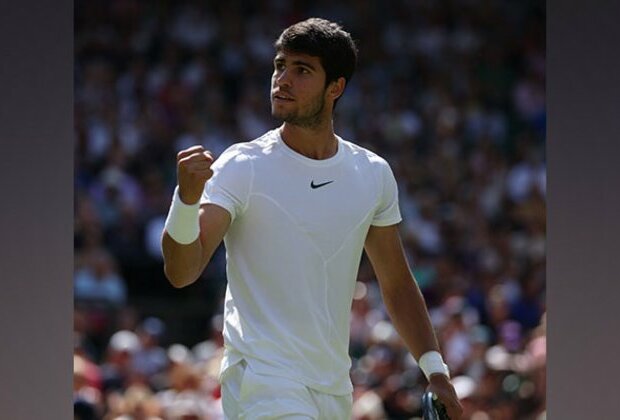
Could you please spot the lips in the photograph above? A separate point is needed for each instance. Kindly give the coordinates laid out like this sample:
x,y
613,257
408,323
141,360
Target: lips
x,y
282,97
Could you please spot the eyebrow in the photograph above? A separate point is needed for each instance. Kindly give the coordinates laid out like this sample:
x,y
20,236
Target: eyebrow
x,y
279,60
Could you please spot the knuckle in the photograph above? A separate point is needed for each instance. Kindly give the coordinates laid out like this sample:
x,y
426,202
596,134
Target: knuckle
x,y
189,151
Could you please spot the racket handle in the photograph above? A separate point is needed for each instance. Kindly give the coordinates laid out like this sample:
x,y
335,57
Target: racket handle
x,y
432,408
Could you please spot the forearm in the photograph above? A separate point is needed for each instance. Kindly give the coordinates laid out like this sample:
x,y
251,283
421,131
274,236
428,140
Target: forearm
x,y
182,263
402,297
407,309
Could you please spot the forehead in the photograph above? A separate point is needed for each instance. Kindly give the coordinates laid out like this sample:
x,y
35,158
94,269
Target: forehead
x,y
299,58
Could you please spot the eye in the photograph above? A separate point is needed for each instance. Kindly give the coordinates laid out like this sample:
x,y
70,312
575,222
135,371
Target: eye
x,y
303,70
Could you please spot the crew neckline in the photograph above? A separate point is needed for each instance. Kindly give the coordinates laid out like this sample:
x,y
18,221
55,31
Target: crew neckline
x,y
309,161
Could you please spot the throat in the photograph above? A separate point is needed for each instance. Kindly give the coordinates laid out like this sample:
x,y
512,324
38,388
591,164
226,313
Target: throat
x,y
311,144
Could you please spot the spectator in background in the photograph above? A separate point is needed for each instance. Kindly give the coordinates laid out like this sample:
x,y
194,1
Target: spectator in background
x,y
117,370
98,280
87,398
137,402
186,395
150,359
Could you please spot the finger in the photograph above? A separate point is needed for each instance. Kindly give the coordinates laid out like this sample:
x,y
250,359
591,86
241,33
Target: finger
x,y
196,173
453,408
190,164
449,401
209,155
190,151
203,173
196,158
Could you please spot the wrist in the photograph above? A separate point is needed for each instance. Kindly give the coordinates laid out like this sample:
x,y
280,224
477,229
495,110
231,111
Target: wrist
x,y
438,378
188,199
432,365
182,223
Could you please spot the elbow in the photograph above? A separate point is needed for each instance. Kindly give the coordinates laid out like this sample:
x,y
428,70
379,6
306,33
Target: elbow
x,y
179,284
179,280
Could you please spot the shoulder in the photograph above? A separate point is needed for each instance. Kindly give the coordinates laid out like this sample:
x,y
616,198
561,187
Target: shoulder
x,y
364,156
239,153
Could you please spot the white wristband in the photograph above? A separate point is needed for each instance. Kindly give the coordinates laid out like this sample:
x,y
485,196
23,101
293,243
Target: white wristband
x,y
431,362
182,222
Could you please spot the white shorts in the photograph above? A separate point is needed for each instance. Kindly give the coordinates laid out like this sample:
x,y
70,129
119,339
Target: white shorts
x,y
247,395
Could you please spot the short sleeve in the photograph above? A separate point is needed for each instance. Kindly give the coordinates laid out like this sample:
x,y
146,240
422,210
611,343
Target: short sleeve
x,y
229,187
387,211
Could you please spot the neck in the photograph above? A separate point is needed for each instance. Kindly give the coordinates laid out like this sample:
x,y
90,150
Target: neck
x,y
315,143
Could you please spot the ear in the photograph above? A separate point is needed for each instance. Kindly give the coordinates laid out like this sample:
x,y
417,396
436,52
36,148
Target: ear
x,y
335,88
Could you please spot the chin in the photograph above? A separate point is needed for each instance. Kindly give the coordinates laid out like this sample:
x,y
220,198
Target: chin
x,y
279,115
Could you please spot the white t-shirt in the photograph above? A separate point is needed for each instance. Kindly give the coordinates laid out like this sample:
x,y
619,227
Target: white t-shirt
x,y
293,251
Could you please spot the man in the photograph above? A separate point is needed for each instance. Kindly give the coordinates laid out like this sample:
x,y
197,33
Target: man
x,y
295,209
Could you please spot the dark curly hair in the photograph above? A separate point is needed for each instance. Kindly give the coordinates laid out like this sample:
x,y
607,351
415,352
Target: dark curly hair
x,y
324,39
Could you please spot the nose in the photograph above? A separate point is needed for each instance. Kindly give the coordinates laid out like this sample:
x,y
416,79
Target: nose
x,y
282,79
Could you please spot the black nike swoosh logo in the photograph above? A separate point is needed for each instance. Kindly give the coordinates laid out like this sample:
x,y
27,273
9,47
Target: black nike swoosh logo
x,y
315,186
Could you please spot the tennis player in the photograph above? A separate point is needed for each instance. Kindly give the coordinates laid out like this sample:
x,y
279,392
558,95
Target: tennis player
x,y
296,208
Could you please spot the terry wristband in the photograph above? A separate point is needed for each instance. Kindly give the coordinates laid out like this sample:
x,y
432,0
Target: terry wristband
x,y
182,222
431,362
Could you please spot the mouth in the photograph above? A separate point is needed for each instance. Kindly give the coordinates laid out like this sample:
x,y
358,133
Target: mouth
x,y
282,97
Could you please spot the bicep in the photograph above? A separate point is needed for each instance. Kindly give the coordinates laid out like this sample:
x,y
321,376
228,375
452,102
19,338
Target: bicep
x,y
214,223
385,251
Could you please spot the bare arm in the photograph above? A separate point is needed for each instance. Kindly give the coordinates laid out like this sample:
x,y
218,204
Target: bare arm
x,y
401,295
183,263
405,305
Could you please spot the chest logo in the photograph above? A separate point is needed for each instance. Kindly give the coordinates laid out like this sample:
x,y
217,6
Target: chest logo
x,y
322,184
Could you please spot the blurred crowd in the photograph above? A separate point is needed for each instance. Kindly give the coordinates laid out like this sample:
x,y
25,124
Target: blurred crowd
x,y
451,93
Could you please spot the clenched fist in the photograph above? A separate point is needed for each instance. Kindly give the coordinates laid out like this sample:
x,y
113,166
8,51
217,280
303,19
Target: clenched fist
x,y
193,171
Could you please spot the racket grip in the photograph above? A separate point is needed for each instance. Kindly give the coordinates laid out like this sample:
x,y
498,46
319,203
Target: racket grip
x,y
432,408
